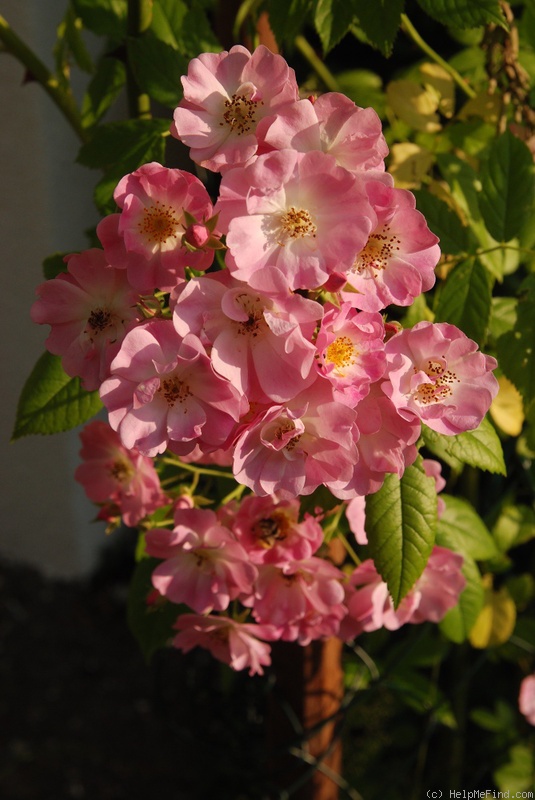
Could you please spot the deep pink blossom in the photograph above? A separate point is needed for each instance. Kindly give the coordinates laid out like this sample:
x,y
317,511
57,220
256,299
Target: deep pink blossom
x,y
268,528
260,342
303,599
331,123
350,350
112,474
291,449
439,587
225,96
147,237
370,606
89,309
386,443
238,644
398,261
204,566
299,212
433,469
526,698
436,373
163,392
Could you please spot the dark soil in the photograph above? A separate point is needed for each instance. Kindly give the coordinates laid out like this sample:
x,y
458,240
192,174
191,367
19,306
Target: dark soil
x,y
83,716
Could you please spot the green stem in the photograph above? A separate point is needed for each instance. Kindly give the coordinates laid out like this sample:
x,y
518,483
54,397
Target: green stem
x,y
306,50
63,98
235,493
411,31
349,549
138,20
197,470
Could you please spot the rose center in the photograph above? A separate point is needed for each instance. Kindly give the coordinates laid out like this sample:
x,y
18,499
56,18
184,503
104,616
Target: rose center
x,y
240,114
271,529
379,249
159,223
341,353
99,319
297,222
121,470
441,385
255,323
174,391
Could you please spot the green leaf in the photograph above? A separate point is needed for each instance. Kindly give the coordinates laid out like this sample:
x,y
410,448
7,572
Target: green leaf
x,y
516,348
444,223
460,620
182,28
464,13
465,300
123,146
514,526
157,67
332,19
380,21
288,17
465,187
518,774
364,87
401,522
480,448
52,402
503,316
104,87
464,529
54,265
103,17
507,180
150,624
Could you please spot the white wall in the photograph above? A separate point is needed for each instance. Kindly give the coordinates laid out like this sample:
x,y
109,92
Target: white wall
x,y
45,205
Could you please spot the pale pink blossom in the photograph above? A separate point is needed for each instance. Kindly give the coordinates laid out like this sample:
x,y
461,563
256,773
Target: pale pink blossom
x,y
526,698
433,469
356,517
269,530
299,212
331,123
439,587
398,261
436,591
225,96
163,392
147,237
370,606
89,309
350,351
204,566
303,599
238,644
386,443
436,373
112,474
260,342
291,449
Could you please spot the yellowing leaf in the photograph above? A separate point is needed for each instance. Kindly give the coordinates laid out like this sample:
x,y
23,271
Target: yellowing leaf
x,y
496,620
414,105
486,106
507,409
409,164
435,77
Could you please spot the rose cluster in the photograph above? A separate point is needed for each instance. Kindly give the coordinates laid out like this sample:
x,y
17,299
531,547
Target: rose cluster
x,y
250,332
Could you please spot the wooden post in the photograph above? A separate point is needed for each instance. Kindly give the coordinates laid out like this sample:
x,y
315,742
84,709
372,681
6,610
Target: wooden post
x,y
303,719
